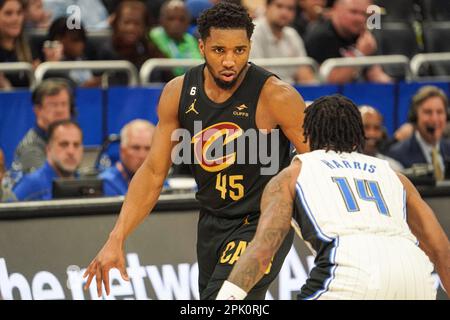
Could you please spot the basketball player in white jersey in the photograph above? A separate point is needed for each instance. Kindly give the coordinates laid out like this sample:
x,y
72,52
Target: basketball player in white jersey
x,y
360,218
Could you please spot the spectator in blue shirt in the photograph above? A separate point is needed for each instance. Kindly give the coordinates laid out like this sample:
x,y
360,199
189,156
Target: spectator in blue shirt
x,y
53,100
135,143
64,155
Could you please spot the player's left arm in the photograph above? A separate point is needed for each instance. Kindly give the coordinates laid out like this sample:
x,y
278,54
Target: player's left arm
x,y
432,238
273,226
286,108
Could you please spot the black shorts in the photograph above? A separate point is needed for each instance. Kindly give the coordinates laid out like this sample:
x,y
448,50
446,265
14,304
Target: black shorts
x,y
220,242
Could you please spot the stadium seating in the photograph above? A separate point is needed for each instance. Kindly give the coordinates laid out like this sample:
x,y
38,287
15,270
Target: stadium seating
x,y
435,10
398,10
397,38
437,36
437,39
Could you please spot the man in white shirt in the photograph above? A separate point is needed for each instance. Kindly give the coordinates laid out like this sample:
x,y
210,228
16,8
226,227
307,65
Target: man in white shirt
x,y
274,38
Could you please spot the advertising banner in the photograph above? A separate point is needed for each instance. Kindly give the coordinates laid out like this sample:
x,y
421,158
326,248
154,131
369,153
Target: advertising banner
x,y
45,258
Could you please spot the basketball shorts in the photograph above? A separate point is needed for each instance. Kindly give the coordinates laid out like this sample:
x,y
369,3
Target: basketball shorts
x,y
220,243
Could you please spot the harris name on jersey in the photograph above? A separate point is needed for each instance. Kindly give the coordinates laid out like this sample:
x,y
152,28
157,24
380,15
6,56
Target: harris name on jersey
x,y
344,164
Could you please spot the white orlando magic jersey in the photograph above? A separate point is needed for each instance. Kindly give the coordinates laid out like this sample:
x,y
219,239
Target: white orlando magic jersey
x,y
351,210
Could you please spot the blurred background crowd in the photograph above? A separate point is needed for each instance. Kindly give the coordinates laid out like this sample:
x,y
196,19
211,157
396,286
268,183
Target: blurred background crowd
x,y
37,31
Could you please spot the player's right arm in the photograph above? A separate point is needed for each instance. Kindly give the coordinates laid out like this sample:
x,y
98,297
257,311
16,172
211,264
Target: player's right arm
x,y
143,191
274,223
424,225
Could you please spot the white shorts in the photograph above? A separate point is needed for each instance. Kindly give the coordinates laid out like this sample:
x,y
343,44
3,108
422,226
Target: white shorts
x,y
379,267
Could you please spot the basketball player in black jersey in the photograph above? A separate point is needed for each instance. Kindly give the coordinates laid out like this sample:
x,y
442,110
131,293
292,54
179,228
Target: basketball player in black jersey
x,y
228,97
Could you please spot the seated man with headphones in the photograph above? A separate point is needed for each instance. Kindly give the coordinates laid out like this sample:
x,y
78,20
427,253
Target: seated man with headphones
x,y
428,114
52,101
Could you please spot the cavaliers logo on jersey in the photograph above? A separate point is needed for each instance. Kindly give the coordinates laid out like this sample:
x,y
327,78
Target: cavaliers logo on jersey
x,y
204,141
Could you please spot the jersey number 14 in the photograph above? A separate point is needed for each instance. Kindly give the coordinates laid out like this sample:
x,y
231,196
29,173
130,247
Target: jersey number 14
x,y
367,191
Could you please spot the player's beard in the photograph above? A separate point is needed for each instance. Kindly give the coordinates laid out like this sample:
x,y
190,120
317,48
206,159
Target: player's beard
x,y
226,85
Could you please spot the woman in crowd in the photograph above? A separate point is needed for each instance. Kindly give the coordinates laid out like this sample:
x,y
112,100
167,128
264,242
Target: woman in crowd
x,y
13,44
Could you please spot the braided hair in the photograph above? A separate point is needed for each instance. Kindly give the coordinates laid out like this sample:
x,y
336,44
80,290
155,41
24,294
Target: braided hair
x,y
334,123
225,15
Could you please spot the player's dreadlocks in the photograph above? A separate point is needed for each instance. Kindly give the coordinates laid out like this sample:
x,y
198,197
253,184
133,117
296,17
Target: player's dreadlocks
x,y
225,15
334,123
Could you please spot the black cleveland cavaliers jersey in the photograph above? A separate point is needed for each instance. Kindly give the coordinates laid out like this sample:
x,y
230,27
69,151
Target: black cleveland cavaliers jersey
x,y
230,159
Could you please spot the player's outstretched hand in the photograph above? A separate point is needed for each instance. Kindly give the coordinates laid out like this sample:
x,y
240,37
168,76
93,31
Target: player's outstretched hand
x,y
110,256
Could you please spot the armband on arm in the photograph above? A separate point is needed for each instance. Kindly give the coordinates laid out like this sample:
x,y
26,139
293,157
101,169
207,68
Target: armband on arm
x,y
230,291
